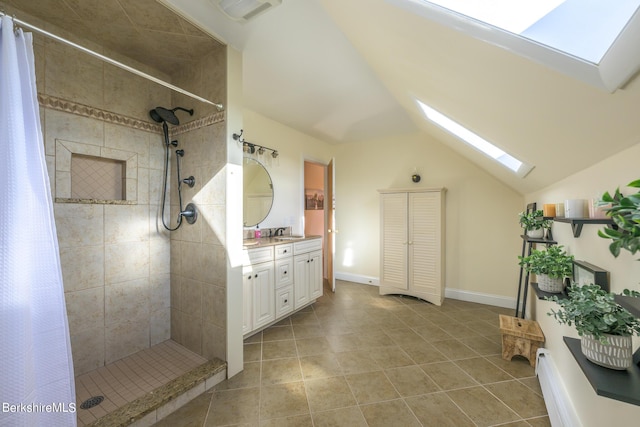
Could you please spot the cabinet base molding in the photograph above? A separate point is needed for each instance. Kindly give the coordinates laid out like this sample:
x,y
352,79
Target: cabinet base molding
x,y
480,298
432,298
262,328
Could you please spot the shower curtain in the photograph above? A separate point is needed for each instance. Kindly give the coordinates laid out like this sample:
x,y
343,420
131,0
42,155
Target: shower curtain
x,y
36,370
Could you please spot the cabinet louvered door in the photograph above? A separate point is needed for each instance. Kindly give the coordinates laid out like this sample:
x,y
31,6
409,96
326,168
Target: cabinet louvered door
x,y
424,243
393,251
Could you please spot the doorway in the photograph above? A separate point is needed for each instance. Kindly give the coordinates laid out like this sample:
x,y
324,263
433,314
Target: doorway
x,y
318,212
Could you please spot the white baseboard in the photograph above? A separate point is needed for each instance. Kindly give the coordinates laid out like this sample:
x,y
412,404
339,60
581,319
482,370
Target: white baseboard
x,y
357,278
459,294
561,412
480,298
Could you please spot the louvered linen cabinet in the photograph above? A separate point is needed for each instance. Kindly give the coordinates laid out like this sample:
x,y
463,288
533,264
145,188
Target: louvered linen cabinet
x,y
412,253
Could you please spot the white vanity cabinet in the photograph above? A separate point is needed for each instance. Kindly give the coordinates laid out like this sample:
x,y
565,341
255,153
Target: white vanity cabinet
x,y
307,277
278,279
412,243
258,287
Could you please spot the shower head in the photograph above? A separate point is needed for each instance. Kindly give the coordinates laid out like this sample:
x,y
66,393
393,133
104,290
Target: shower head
x,y
160,114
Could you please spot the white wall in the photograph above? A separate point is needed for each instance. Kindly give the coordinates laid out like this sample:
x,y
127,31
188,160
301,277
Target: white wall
x,y
482,231
616,171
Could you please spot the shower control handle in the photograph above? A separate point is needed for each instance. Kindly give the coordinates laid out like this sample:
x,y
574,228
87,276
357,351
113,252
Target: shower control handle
x,y
191,181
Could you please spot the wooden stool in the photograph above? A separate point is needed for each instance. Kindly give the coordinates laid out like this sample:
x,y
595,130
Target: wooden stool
x,y
520,337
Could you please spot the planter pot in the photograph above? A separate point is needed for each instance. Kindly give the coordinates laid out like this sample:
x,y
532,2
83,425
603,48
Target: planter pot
x,y
617,354
550,284
536,234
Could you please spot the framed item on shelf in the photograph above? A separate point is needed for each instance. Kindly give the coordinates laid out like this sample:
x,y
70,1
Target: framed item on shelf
x,y
585,273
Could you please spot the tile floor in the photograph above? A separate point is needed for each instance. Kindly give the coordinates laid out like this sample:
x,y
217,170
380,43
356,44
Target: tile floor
x,y
355,358
127,379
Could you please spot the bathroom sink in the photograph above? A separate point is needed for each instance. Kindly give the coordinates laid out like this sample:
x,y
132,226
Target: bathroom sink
x,y
289,237
250,242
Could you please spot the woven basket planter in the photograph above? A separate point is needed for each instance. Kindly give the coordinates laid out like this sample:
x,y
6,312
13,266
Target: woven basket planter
x,y
550,284
615,355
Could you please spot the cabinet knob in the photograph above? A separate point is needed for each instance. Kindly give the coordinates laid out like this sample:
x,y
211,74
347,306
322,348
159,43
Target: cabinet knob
x,y
249,277
285,272
307,261
284,252
255,276
286,301
311,260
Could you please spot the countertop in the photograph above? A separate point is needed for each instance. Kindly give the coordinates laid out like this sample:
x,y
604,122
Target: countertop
x,y
273,241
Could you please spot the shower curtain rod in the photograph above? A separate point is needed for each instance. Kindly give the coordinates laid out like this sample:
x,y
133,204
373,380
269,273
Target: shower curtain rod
x,y
111,61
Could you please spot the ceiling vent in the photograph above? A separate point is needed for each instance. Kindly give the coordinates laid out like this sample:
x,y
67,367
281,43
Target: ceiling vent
x,y
245,10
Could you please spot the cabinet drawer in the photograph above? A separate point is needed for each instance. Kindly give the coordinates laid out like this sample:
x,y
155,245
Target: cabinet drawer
x,y
284,272
307,246
284,301
257,255
283,251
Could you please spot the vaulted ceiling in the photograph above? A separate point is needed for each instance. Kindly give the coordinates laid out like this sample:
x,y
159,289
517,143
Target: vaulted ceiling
x,y
346,71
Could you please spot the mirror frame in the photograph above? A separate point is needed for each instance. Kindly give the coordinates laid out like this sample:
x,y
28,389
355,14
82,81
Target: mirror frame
x,y
245,160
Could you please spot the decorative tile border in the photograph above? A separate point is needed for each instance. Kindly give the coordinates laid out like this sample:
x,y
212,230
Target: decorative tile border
x,y
52,102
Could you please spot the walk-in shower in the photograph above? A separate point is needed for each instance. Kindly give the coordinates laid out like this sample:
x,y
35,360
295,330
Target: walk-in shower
x,y
164,116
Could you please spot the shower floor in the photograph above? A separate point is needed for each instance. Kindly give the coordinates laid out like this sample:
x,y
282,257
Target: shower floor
x,y
128,382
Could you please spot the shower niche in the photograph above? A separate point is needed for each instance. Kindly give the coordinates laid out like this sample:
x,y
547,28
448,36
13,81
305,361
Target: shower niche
x,y
88,173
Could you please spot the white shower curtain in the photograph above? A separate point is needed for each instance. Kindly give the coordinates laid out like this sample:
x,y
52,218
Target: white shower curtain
x,y
36,369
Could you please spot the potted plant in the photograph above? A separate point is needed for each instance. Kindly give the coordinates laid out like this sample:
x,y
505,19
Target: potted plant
x,y
604,326
550,266
625,212
534,223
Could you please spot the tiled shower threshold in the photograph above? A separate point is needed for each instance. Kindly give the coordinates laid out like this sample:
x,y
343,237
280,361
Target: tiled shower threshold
x,y
144,387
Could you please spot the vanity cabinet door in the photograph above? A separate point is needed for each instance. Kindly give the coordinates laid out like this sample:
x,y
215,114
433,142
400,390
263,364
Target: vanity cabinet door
x,y
247,298
315,275
301,280
264,310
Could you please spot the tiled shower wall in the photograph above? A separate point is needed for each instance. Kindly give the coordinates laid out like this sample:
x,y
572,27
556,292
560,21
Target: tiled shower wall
x,y
115,264
198,255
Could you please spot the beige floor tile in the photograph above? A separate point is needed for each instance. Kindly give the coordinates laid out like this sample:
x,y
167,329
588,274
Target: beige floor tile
x,y
294,421
338,327
438,410
482,345
391,413
307,331
391,357
373,339
458,330
454,349
448,376
404,336
411,381
329,393
345,342
371,387
254,338
423,352
433,333
277,333
519,398
343,417
517,367
354,362
304,318
313,346
485,328
191,414
483,371
516,424
320,366
539,422
283,400
533,383
281,371
278,349
248,377
482,407
234,407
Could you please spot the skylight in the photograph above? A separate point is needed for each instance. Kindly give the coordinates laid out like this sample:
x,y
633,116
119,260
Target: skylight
x,y
595,41
518,167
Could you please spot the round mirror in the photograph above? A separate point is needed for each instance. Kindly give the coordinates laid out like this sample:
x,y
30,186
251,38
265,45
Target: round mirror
x,y
258,192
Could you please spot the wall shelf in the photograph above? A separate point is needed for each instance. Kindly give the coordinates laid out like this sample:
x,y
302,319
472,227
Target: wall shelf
x,y
577,223
630,303
542,294
618,385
